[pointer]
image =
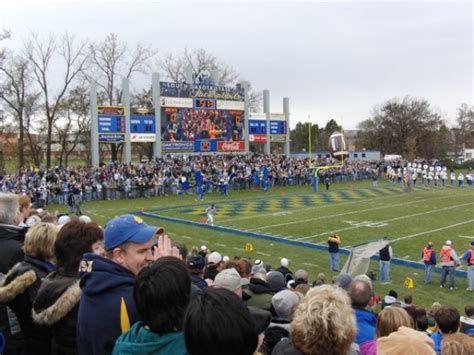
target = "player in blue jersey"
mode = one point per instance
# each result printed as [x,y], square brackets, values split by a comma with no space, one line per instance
[199,184]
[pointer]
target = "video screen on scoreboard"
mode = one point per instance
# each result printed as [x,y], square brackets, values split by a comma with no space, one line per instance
[191,124]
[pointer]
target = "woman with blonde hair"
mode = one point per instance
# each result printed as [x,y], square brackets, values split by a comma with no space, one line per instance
[20,285]
[390,319]
[323,323]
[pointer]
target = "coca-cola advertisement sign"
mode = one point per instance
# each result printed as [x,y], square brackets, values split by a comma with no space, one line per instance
[230,146]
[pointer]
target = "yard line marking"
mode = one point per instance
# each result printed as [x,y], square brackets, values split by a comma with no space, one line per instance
[309,264]
[262,253]
[433,230]
[390,220]
[466,236]
[235,248]
[348,213]
[186,237]
[220,244]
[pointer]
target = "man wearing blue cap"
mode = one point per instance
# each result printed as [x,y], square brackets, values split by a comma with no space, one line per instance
[469,257]
[107,308]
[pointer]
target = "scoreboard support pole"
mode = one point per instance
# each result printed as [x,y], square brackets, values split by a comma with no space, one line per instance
[245,86]
[286,113]
[94,126]
[155,89]
[127,145]
[266,111]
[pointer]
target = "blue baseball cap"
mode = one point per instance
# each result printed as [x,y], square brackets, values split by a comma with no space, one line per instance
[128,228]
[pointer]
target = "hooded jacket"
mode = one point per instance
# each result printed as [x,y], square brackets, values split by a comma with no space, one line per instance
[56,306]
[366,323]
[11,253]
[11,246]
[260,293]
[106,308]
[18,291]
[389,301]
[141,341]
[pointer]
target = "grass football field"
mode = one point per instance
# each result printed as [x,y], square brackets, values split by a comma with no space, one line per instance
[357,211]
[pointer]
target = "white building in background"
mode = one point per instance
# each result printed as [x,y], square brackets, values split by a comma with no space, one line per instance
[367,155]
[465,154]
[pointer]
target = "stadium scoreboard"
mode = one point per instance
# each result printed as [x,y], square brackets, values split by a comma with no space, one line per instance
[111,124]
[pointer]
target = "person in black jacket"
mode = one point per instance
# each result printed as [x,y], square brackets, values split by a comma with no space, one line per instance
[11,253]
[385,255]
[57,302]
[287,274]
[22,282]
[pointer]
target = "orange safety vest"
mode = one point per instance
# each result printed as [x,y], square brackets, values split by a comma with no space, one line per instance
[427,254]
[445,255]
[471,260]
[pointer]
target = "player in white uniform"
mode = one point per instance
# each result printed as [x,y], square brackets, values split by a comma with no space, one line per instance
[210,214]
[452,177]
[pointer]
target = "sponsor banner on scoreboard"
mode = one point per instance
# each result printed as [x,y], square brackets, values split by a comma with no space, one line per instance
[277,116]
[142,137]
[230,105]
[230,146]
[263,116]
[278,137]
[111,138]
[111,110]
[257,116]
[175,147]
[201,90]
[185,102]
[258,138]
[203,146]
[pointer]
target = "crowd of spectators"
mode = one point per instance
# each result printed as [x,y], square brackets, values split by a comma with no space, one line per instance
[69,286]
[173,175]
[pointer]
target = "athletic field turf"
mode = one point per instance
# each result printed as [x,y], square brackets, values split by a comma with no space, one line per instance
[272,222]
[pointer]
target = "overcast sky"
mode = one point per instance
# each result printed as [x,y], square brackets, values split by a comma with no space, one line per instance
[332,59]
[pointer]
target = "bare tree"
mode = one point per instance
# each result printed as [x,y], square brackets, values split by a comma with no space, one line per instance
[16,92]
[74,126]
[112,60]
[41,54]
[407,126]
[5,34]
[36,134]
[464,129]
[202,64]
